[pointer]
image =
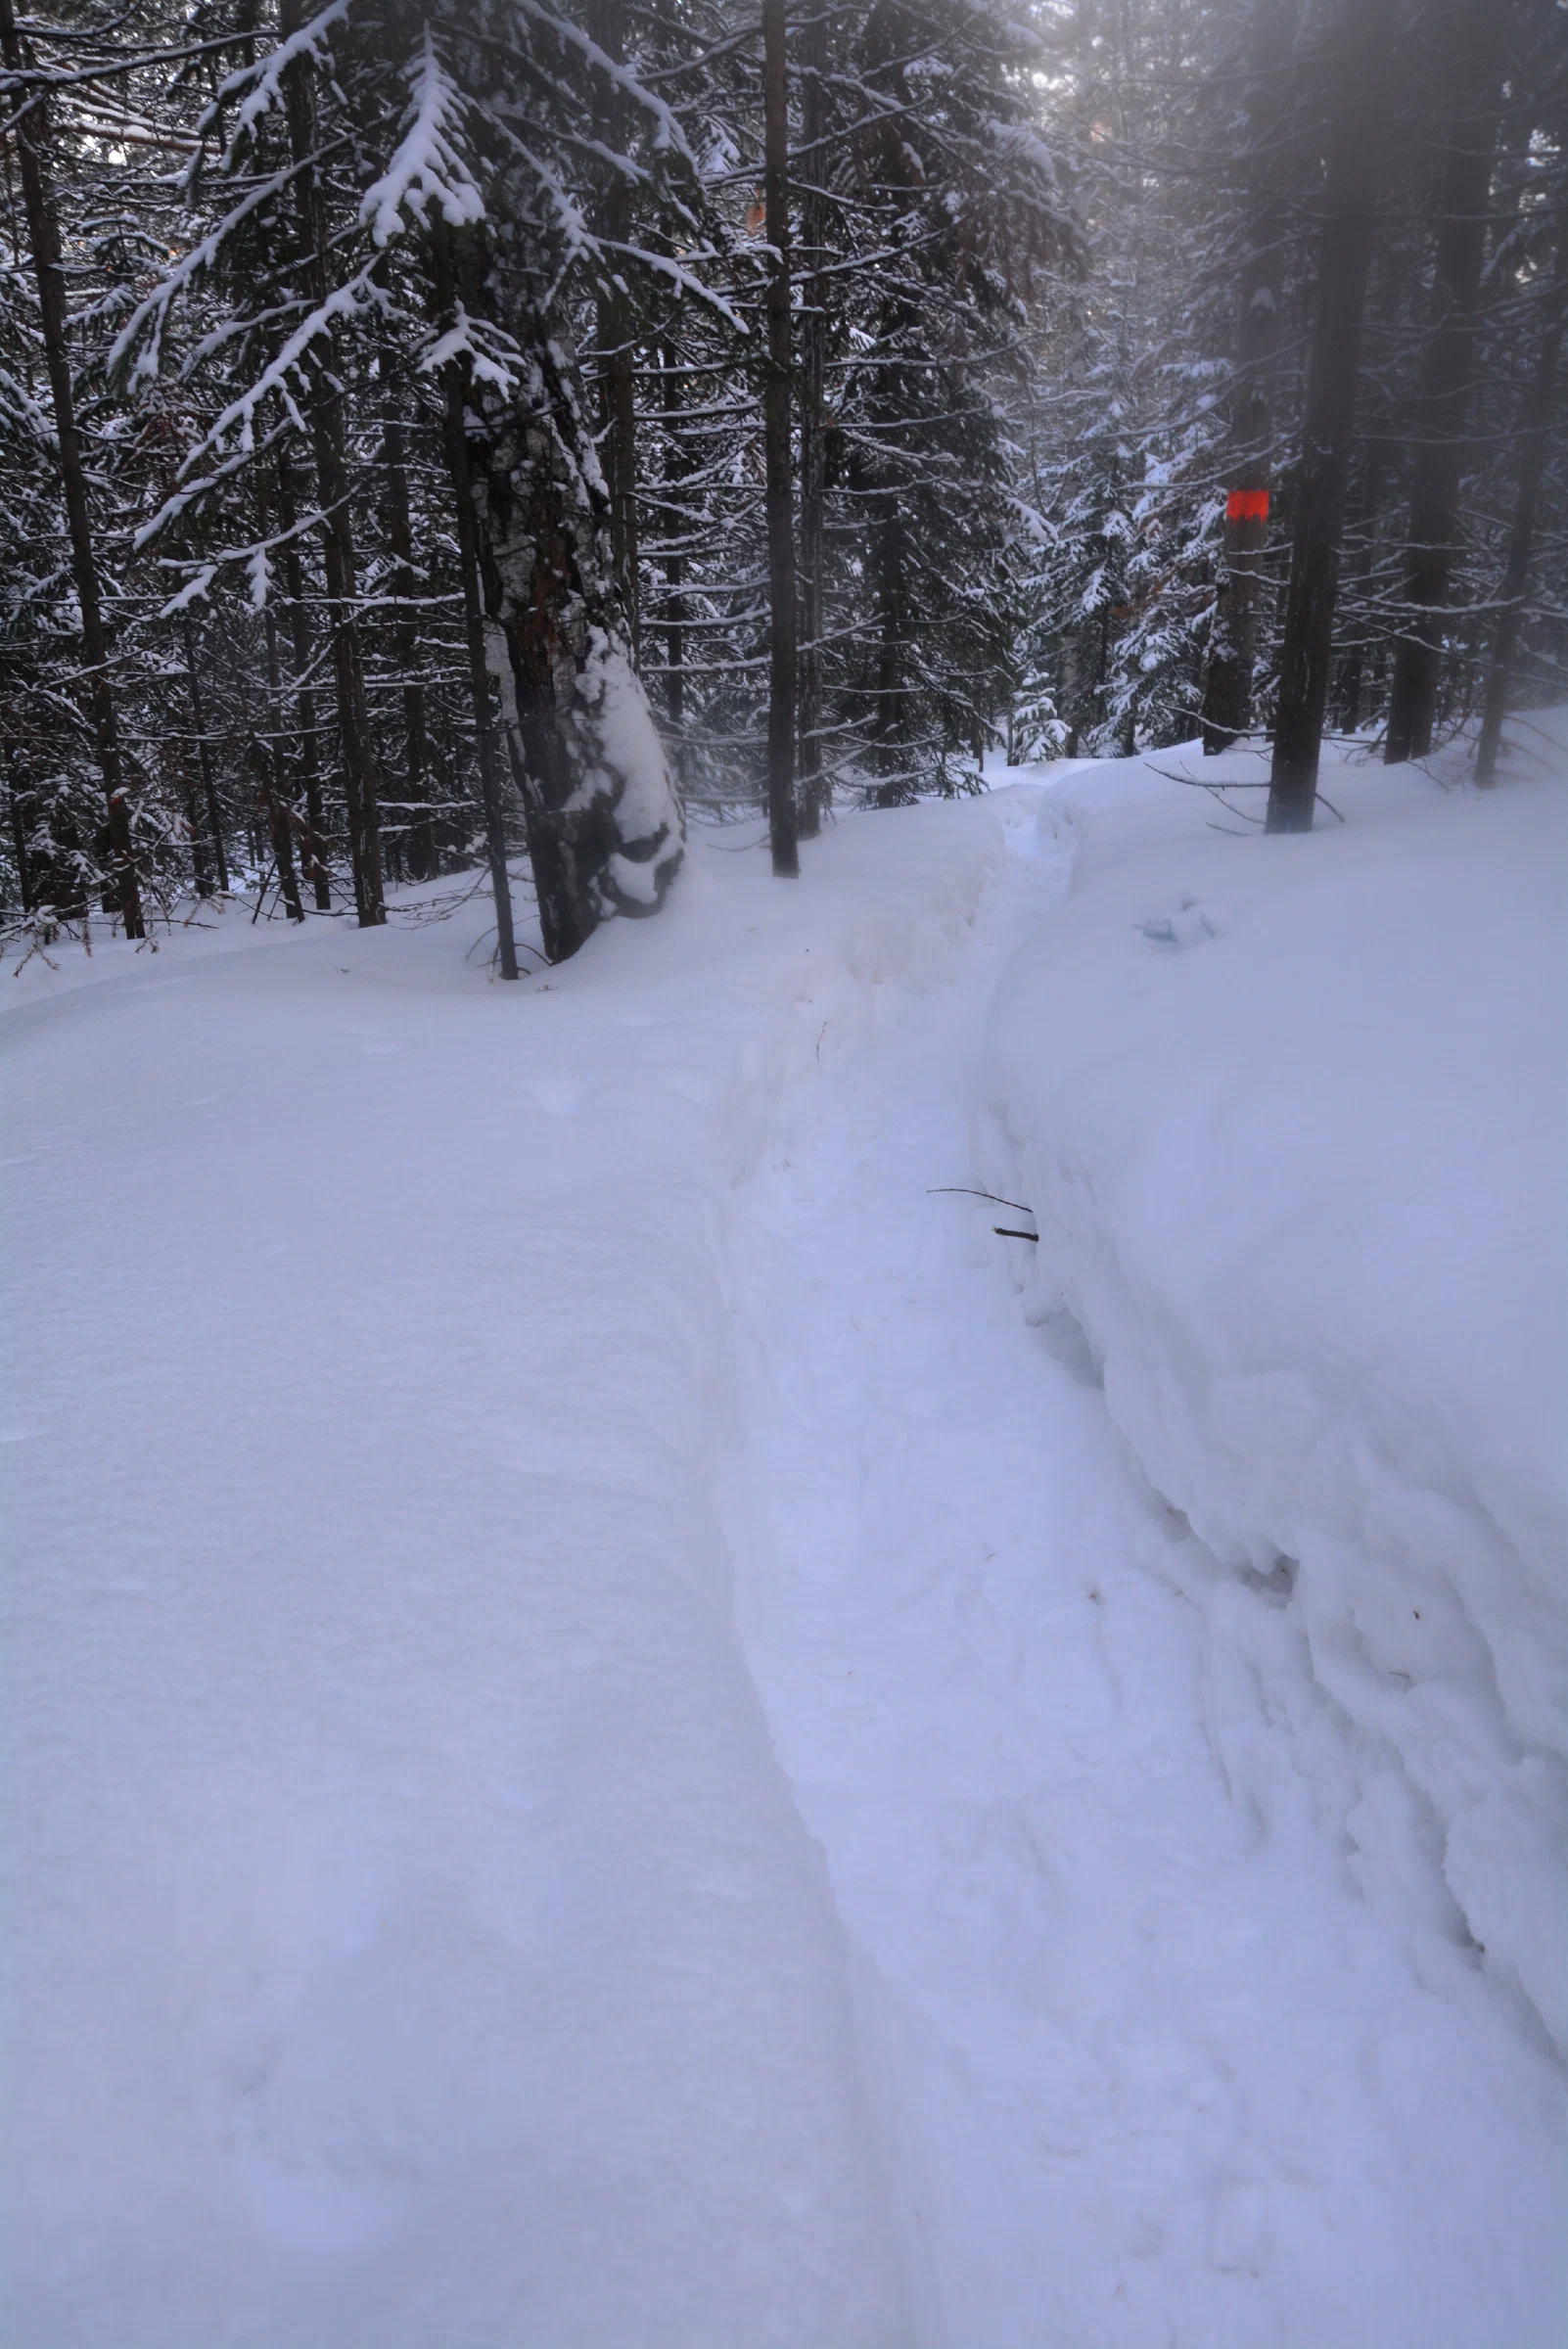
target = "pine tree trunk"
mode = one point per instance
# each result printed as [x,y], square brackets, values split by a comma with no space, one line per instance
[887,564]
[1446,370]
[403,584]
[617,445]
[304,699]
[43,233]
[328,445]
[676,468]
[604,826]
[813,355]
[204,750]
[1536,423]
[1350,196]
[1227,680]
[18,838]
[274,792]
[781,680]
[455,439]
[1352,688]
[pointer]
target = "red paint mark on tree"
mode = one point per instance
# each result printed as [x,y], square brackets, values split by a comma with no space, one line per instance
[1247,505]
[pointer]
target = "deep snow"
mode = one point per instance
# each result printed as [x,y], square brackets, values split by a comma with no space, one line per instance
[442,1411]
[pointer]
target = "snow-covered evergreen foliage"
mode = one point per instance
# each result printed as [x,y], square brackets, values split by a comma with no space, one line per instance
[295,234]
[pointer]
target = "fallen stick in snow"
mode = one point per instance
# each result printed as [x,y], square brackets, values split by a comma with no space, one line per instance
[964,1190]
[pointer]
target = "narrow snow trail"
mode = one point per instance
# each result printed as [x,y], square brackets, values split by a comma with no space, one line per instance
[1150,2071]
[437,1412]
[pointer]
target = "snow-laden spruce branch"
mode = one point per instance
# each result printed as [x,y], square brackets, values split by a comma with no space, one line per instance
[254,559]
[145,325]
[668,137]
[344,302]
[492,356]
[427,167]
[237,330]
[583,244]
[681,278]
[262,82]
[40,84]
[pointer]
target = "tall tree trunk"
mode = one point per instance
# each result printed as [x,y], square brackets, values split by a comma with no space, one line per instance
[676,467]
[619,444]
[781,680]
[1536,431]
[201,866]
[814,357]
[43,233]
[479,679]
[304,699]
[204,745]
[329,443]
[888,563]
[404,585]
[887,477]
[1249,454]
[1442,401]
[1363,526]
[1349,198]
[275,789]
[18,838]
[604,826]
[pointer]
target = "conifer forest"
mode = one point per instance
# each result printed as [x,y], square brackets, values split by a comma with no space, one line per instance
[432,434]
[783,1287]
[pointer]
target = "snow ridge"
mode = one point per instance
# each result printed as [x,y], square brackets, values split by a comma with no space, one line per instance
[1328,1308]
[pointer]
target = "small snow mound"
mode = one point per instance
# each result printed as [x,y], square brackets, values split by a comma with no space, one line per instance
[1189,925]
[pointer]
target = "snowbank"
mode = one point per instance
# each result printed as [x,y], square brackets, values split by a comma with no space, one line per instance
[1290,1113]
[413,1939]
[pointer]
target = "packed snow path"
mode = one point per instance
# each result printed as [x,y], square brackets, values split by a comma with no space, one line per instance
[444,1411]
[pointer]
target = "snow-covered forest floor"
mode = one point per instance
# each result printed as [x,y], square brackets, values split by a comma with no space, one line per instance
[623,1726]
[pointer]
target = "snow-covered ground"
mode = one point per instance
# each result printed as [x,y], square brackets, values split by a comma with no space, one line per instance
[622,1725]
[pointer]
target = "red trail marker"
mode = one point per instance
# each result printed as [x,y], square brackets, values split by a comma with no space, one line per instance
[1247,505]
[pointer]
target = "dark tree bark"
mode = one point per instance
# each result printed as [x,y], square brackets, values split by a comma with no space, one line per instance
[455,388]
[604,826]
[18,839]
[888,559]
[1536,431]
[886,480]
[329,444]
[676,467]
[1443,400]
[814,356]
[1349,197]
[404,583]
[781,496]
[44,234]
[1249,454]
[201,863]
[274,790]
[280,837]
[203,748]
[617,445]
[304,699]
[1351,691]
